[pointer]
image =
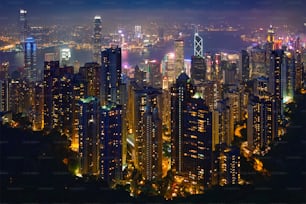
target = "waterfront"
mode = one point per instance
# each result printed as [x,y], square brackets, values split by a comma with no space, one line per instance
[213,42]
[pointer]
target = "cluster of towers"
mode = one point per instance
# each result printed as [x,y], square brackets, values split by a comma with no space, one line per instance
[116,121]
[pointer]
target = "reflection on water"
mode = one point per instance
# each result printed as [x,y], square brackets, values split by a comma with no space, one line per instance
[213,42]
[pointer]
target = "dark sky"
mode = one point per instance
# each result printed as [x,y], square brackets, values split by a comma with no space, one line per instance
[45,10]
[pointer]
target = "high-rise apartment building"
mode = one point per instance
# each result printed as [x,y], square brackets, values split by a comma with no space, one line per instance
[110,75]
[148,132]
[89,136]
[110,161]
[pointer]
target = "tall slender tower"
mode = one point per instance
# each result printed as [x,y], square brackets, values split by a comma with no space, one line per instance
[197,44]
[30,59]
[179,57]
[23,25]
[97,41]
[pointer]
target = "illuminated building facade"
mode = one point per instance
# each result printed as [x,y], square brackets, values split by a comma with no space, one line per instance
[110,162]
[50,68]
[23,25]
[181,92]
[4,95]
[79,91]
[259,121]
[226,165]
[197,142]
[38,107]
[197,44]
[148,135]
[4,73]
[178,57]
[298,70]
[276,83]
[65,55]
[89,135]
[91,73]
[198,69]
[244,66]
[222,128]
[30,59]
[19,96]
[110,75]
[168,70]
[97,39]
[154,74]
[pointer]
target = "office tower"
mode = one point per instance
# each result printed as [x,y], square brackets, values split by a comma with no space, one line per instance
[97,39]
[258,60]
[227,165]
[154,76]
[139,76]
[4,74]
[4,95]
[148,132]
[65,55]
[209,67]
[110,162]
[276,88]
[168,70]
[208,90]
[244,66]
[110,75]
[198,69]
[89,135]
[181,92]
[178,57]
[271,36]
[91,72]
[79,91]
[23,25]
[19,96]
[137,32]
[50,68]
[197,44]
[229,69]
[38,107]
[30,59]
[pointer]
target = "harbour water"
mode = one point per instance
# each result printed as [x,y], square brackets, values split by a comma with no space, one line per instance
[213,42]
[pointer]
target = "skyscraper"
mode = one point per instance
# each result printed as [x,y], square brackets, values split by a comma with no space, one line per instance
[181,92]
[110,162]
[89,135]
[276,88]
[23,25]
[197,44]
[97,39]
[30,59]
[179,57]
[110,75]
[148,121]
[198,69]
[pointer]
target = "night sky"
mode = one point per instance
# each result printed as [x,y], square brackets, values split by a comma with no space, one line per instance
[44,10]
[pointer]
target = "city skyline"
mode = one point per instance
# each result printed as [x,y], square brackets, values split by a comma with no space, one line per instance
[153,108]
